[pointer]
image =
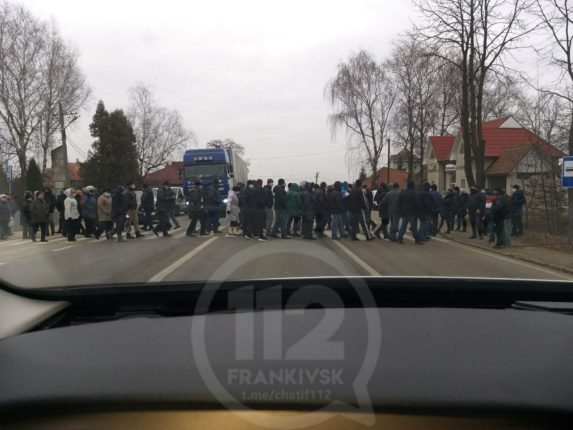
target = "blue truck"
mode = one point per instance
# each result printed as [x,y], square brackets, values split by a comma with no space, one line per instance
[207,165]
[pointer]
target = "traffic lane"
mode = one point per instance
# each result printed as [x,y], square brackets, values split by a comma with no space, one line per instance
[238,258]
[97,262]
[441,257]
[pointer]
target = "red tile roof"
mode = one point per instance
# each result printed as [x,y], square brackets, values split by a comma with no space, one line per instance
[442,146]
[495,123]
[171,172]
[513,155]
[399,176]
[498,140]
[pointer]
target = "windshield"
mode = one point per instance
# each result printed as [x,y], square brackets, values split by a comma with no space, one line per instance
[199,171]
[356,144]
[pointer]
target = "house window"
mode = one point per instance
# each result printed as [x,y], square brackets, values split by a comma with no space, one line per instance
[462,183]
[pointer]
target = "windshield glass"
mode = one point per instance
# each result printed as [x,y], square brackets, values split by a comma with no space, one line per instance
[356,143]
[205,171]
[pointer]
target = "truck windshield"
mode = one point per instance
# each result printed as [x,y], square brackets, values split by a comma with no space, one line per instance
[205,170]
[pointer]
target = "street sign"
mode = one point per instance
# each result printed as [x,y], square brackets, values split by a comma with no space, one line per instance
[567,177]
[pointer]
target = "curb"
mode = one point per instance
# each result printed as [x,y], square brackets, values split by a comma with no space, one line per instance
[516,257]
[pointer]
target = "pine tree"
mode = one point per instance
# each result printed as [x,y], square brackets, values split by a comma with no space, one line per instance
[34,180]
[112,159]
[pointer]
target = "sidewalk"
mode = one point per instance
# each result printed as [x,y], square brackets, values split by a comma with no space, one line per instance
[524,248]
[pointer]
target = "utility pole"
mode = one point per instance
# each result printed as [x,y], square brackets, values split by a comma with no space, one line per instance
[388,173]
[316,178]
[64,144]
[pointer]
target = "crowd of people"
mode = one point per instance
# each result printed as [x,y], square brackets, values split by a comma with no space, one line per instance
[258,211]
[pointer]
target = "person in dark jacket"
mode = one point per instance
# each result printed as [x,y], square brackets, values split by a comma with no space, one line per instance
[320,208]
[294,210]
[408,208]
[448,211]
[382,212]
[336,208]
[119,211]
[61,209]
[499,211]
[163,207]
[369,195]
[280,203]
[391,201]
[89,212]
[147,205]
[518,201]
[39,216]
[246,205]
[476,210]
[212,199]
[50,199]
[25,216]
[268,198]
[133,218]
[424,209]
[461,207]
[4,217]
[257,202]
[357,208]
[196,211]
[437,209]
[308,211]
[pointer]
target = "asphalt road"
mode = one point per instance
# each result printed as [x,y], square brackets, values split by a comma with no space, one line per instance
[153,259]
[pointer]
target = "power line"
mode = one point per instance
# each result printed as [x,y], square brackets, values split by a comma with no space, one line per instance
[280,157]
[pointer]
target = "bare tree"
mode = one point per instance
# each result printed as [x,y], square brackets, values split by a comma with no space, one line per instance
[362,100]
[556,17]
[474,36]
[227,143]
[159,132]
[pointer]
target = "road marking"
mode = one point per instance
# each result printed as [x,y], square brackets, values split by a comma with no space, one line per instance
[3,263]
[501,257]
[369,269]
[171,268]
[61,249]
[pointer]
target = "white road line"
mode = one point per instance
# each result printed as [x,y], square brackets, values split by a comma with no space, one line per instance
[502,257]
[369,269]
[3,263]
[61,249]
[171,268]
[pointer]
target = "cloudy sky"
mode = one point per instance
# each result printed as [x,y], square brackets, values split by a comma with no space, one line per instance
[251,70]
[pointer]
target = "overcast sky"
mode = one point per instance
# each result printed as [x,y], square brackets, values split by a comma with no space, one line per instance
[251,70]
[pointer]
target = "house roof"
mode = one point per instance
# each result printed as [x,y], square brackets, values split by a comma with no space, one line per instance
[399,176]
[513,155]
[442,146]
[171,172]
[403,154]
[496,123]
[74,172]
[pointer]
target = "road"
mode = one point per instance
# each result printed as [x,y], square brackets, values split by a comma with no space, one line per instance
[156,259]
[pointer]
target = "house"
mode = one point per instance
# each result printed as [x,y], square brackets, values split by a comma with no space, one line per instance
[512,155]
[172,172]
[74,177]
[399,161]
[396,176]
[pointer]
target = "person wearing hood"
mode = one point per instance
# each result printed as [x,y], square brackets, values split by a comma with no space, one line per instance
[358,205]
[4,217]
[281,210]
[437,209]
[424,209]
[518,201]
[119,211]
[50,199]
[132,217]
[269,200]
[212,200]
[320,208]
[294,210]
[382,212]
[39,216]
[89,212]
[196,211]
[449,211]
[409,209]
[336,208]
[164,204]
[258,204]
[308,199]
[391,201]
[461,204]
[233,211]
[476,210]
[25,216]
[71,214]
[104,213]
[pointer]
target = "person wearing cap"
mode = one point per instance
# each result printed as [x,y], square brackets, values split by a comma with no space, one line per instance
[89,212]
[25,216]
[119,211]
[164,203]
[196,211]
[4,217]
[71,214]
[132,218]
[39,216]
